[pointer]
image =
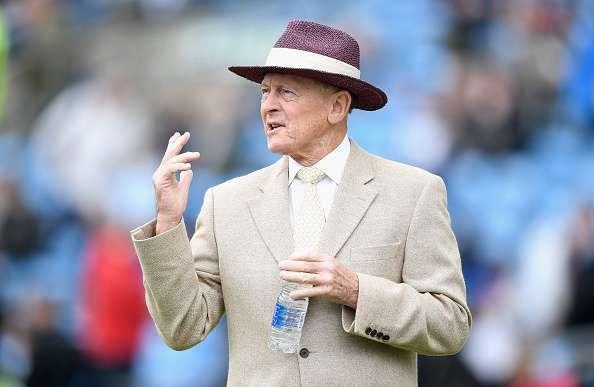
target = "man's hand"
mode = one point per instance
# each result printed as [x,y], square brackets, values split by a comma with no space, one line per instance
[331,279]
[172,195]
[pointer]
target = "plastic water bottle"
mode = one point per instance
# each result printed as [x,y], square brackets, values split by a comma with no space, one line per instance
[287,321]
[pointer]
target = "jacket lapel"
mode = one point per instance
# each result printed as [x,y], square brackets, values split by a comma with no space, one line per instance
[352,199]
[270,211]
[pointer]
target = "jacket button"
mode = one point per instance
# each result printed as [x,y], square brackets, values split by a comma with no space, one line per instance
[373,333]
[386,338]
[304,352]
[379,335]
[367,331]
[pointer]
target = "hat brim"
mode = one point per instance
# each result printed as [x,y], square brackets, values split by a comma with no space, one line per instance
[365,95]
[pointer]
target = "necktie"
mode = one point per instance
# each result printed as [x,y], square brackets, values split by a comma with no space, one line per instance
[309,219]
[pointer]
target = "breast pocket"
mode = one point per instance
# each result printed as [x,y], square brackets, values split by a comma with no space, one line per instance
[382,260]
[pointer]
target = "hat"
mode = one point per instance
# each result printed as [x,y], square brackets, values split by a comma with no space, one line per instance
[320,52]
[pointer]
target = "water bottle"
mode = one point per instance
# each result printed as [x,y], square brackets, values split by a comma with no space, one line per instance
[287,321]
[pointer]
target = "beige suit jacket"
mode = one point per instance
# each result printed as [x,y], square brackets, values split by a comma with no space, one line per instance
[389,223]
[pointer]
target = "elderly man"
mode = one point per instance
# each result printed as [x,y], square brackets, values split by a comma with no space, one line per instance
[383,261]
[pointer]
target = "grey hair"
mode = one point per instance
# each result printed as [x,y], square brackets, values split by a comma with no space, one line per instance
[331,89]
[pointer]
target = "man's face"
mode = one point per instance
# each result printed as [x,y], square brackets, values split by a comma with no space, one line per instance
[294,112]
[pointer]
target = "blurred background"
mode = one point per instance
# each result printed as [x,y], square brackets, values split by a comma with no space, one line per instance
[496,96]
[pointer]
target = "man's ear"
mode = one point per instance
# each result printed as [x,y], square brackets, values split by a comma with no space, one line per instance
[341,103]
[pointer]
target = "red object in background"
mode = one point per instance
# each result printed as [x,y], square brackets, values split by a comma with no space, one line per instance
[112,299]
[560,380]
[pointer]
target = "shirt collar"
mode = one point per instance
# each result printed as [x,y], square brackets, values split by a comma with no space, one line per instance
[332,164]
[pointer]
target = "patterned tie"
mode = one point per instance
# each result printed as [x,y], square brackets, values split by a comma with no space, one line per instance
[309,219]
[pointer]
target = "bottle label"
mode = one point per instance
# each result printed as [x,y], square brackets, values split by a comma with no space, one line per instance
[285,317]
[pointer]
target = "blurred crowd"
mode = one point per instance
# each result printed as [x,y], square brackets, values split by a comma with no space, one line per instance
[496,96]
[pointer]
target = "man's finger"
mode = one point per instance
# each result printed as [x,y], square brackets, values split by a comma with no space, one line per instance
[173,137]
[176,145]
[306,267]
[171,141]
[177,167]
[185,157]
[309,292]
[185,179]
[300,277]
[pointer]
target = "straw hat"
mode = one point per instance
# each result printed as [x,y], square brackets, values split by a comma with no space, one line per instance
[320,52]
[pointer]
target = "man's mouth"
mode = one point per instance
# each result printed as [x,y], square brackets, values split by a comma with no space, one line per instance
[272,128]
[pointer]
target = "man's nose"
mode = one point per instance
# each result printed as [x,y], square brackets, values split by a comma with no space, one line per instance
[269,103]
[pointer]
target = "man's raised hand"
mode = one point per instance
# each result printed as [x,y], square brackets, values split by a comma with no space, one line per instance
[171,194]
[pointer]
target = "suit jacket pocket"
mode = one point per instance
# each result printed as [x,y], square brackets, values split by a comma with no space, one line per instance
[382,260]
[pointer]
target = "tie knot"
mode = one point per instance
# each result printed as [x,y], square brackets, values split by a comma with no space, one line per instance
[311,175]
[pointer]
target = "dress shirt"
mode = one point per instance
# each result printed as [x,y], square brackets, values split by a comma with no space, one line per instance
[332,165]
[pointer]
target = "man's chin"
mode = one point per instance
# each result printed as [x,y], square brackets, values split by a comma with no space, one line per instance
[277,148]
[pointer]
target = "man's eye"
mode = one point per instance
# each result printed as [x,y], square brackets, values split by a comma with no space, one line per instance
[287,92]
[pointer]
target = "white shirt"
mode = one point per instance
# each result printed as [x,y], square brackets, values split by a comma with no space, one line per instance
[332,165]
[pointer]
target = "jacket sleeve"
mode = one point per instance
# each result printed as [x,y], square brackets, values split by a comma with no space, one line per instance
[181,278]
[427,312]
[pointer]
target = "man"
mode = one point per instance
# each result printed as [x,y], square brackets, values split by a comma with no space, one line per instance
[385,266]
